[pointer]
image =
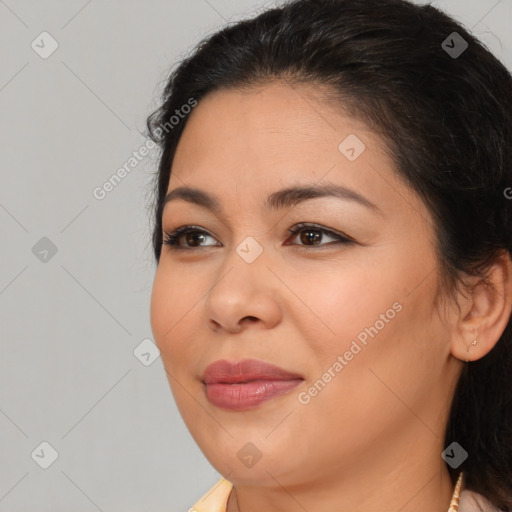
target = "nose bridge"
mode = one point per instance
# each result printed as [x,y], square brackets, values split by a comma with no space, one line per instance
[242,289]
[244,261]
[249,235]
[246,254]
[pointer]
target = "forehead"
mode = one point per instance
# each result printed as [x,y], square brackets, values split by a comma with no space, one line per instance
[260,113]
[266,128]
[242,145]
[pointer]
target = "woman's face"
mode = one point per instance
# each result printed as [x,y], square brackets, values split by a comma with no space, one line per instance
[357,321]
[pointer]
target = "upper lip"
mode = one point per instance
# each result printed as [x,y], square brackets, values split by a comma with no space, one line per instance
[244,371]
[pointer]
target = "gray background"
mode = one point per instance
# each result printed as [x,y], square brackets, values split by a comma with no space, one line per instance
[70,323]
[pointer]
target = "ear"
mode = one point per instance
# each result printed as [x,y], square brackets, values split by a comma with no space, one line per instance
[485,313]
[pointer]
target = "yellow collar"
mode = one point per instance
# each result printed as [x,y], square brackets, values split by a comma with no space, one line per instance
[215,499]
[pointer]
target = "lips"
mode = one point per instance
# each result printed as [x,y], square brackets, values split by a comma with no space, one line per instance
[246,370]
[246,384]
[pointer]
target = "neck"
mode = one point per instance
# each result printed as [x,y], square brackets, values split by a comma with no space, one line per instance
[405,486]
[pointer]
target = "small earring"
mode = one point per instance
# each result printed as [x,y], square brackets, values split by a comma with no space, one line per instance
[467,349]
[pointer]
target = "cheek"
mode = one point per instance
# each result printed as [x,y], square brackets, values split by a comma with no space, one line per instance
[364,315]
[367,383]
[172,310]
[343,300]
[173,299]
[161,306]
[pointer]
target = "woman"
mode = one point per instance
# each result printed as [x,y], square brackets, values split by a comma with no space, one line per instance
[333,236]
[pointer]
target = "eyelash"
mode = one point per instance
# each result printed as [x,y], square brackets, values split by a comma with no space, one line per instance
[172,239]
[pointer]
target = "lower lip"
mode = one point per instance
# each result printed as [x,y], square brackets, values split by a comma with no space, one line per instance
[248,394]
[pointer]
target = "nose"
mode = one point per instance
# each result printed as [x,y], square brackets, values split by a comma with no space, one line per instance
[245,295]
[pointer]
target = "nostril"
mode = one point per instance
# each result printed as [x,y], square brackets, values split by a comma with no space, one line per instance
[248,319]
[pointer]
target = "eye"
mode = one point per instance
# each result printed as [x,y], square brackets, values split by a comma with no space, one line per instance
[191,234]
[311,234]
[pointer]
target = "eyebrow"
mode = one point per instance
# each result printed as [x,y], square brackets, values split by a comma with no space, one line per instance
[280,199]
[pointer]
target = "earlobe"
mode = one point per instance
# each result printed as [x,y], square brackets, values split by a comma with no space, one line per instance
[487,312]
[474,342]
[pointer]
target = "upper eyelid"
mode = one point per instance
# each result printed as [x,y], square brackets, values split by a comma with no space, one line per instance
[297,228]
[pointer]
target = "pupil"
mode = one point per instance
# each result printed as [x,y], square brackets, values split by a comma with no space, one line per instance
[311,235]
[192,236]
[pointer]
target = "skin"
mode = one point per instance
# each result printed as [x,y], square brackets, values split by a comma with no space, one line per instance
[372,438]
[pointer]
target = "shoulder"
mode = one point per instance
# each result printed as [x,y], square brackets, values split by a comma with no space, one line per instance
[215,499]
[471,501]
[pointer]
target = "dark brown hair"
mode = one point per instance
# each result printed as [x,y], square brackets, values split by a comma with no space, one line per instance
[446,120]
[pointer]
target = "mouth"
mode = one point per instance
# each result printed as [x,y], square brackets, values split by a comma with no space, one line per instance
[247,395]
[246,384]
